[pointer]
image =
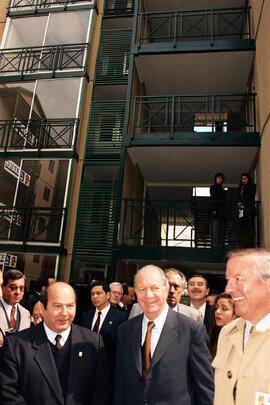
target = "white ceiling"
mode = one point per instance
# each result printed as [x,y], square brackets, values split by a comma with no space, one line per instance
[171,172]
[195,73]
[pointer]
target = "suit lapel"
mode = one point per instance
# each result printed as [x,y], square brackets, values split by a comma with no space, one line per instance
[136,338]
[167,337]
[77,348]
[44,359]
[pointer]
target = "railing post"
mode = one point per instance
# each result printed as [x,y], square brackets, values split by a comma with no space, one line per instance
[134,99]
[167,222]
[124,221]
[254,112]
[248,21]
[212,27]
[172,117]
[175,28]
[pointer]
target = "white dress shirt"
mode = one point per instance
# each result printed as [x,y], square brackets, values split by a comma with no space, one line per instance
[103,315]
[201,310]
[157,329]
[51,335]
[261,326]
[8,308]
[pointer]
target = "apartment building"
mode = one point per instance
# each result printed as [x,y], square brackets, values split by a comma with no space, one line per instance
[115,116]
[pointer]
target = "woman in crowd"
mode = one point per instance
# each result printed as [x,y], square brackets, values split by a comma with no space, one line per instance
[224,313]
[246,212]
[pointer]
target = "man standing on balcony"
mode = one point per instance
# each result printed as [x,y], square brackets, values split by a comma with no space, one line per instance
[217,196]
[13,317]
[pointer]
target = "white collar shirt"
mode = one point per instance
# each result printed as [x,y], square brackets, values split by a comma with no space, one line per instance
[8,308]
[261,326]
[51,335]
[157,329]
[103,315]
[201,310]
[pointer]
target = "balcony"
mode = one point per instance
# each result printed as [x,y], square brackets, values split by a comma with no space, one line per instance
[43,62]
[194,30]
[28,7]
[38,138]
[214,119]
[177,229]
[30,228]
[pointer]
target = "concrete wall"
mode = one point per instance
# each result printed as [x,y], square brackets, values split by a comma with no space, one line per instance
[261,79]
[3,12]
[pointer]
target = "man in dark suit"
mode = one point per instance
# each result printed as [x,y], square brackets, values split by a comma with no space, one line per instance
[55,362]
[162,355]
[198,291]
[104,318]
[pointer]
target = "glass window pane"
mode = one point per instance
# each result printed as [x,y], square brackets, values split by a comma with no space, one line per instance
[67,28]
[26,32]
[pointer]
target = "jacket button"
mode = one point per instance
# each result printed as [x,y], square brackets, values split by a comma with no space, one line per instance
[229,374]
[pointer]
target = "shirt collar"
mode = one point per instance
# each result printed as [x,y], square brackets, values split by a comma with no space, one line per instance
[51,334]
[160,320]
[103,311]
[261,326]
[7,306]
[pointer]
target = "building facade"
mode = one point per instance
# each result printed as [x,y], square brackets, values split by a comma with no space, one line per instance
[115,115]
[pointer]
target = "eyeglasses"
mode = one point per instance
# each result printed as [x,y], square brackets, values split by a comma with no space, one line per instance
[16,287]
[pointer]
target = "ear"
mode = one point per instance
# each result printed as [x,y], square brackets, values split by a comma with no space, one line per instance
[108,295]
[207,292]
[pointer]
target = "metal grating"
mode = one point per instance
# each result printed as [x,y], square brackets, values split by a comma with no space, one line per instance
[119,7]
[105,132]
[113,58]
[95,222]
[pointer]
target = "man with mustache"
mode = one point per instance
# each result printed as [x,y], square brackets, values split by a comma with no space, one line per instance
[242,371]
[198,291]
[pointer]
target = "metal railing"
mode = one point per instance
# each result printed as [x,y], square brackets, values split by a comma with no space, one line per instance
[182,223]
[34,6]
[203,24]
[189,113]
[38,134]
[43,59]
[31,224]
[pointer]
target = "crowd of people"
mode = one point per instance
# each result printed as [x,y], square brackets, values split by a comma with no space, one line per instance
[140,345]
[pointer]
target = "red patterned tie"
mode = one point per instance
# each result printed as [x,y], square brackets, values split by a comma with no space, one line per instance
[96,326]
[58,344]
[12,318]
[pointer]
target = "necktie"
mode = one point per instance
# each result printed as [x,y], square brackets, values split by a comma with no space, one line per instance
[146,350]
[253,327]
[57,340]
[12,318]
[96,326]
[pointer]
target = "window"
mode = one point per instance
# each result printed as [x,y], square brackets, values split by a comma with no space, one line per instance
[46,193]
[36,258]
[51,166]
[41,224]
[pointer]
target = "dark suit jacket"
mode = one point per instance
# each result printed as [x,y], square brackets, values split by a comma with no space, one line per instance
[108,330]
[208,316]
[28,373]
[180,371]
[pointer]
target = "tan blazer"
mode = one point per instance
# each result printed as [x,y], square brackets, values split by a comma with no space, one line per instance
[24,319]
[250,368]
[181,308]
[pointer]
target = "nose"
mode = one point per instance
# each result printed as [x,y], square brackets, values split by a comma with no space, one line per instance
[218,311]
[149,292]
[229,286]
[64,310]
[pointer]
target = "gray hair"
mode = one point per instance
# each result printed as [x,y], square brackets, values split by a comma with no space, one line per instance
[161,272]
[116,284]
[261,259]
[179,273]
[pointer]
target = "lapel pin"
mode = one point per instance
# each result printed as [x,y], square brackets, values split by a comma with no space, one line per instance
[110,322]
[80,354]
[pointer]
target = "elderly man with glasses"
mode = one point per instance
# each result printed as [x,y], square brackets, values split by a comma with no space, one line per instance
[13,317]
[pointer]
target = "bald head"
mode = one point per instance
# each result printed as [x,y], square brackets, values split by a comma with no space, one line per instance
[59,306]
